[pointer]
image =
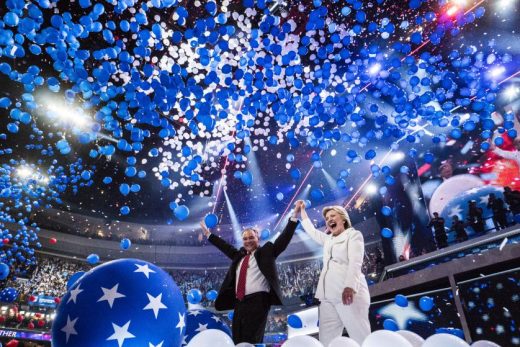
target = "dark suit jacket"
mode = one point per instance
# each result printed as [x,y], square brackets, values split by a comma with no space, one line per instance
[265,257]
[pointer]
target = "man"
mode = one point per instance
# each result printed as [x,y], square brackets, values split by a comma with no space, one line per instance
[439,232]
[496,205]
[251,285]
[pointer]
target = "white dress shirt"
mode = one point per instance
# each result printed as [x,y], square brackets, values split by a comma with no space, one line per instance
[255,280]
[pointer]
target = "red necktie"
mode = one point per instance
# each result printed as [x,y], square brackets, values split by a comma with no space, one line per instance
[241,287]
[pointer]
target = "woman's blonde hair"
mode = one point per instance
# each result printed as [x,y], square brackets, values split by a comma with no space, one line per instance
[341,211]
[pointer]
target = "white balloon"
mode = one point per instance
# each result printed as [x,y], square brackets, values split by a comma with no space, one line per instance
[245,344]
[302,341]
[414,339]
[385,338]
[211,337]
[343,341]
[444,340]
[484,343]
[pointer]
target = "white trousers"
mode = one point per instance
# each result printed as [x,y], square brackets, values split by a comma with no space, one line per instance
[335,316]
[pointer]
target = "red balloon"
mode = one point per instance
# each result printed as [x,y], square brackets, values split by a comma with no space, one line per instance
[41,323]
[37,315]
[12,343]
[32,298]
[53,241]
[2,319]
[5,241]
[30,325]
[19,318]
[57,300]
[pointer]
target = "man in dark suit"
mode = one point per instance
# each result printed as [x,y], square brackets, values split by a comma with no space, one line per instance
[251,284]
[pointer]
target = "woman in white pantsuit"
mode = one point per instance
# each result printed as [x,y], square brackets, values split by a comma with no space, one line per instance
[342,288]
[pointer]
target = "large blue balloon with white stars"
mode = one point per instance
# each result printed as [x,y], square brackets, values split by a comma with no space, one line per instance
[200,320]
[122,303]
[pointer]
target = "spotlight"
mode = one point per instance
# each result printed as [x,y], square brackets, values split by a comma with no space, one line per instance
[333,153]
[497,71]
[512,92]
[452,11]
[26,173]
[374,69]
[371,189]
[505,4]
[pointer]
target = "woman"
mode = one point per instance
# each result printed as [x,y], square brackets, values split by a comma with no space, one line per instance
[342,288]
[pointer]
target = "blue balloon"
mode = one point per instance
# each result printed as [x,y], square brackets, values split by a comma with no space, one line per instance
[426,303]
[197,318]
[212,295]
[4,271]
[386,210]
[123,295]
[247,178]
[124,210]
[294,321]
[8,295]
[181,212]
[387,233]
[317,194]
[264,235]
[194,296]
[125,244]
[390,324]
[74,278]
[230,315]
[401,300]
[93,259]
[211,220]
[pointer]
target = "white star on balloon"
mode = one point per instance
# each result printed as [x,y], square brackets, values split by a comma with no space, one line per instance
[121,333]
[401,315]
[201,327]
[217,319]
[484,199]
[184,342]
[181,323]
[152,345]
[144,269]
[110,295]
[455,211]
[74,294]
[68,329]
[194,313]
[155,304]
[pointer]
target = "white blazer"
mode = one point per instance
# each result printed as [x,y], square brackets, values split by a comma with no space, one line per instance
[342,260]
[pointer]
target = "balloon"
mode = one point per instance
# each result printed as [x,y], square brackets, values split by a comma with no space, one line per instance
[484,343]
[264,235]
[181,212]
[294,321]
[401,300]
[53,241]
[74,278]
[302,341]
[426,303]
[211,337]
[8,295]
[387,233]
[385,338]
[4,271]
[125,244]
[194,296]
[386,210]
[197,318]
[444,340]
[230,315]
[93,259]
[119,299]
[211,220]
[343,341]
[212,295]
[414,339]
[390,324]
